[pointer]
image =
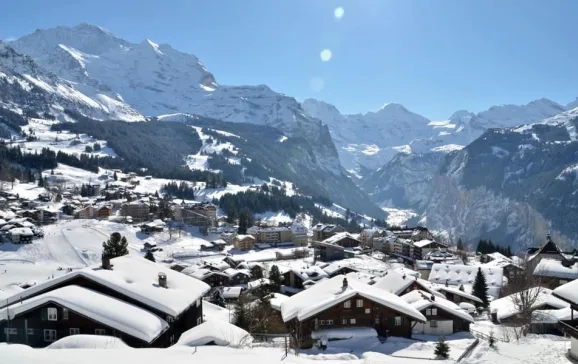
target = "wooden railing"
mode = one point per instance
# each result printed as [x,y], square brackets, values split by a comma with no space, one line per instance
[570,330]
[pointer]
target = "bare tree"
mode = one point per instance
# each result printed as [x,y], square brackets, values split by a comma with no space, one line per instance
[527,296]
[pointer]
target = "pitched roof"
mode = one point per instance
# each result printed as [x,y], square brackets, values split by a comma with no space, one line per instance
[457,274]
[339,236]
[567,292]
[555,268]
[330,292]
[459,293]
[107,310]
[396,283]
[504,307]
[136,278]
[421,300]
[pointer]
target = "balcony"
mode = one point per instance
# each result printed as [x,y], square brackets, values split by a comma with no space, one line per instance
[570,330]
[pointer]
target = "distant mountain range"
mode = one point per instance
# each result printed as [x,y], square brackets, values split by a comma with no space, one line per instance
[508,173]
[367,141]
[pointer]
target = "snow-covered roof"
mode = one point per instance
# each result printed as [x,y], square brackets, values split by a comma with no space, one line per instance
[231,272]
[553,316]
[312,273]
[258,283]
[423,243]
[330,292]
[21,231]
[421,300]
[243,237]
[504,307]
[396,283]
[213,312]
[107,310]
[219,332]
[568,292]
[555,268]
[456,291]
[136,278]
[231,292]
[335,238]
[457,274]
[276,299]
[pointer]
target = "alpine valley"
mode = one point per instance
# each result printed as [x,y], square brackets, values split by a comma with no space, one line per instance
[508,173]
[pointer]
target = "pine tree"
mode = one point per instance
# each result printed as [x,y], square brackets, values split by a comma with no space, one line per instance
[217,299]
[149,255]
[442,349]
[40,181]
[275,278]
[115,246]
[115,176]
[460,245]
[480,287]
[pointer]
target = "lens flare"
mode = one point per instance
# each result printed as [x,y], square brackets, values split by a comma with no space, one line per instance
[338,12]
[326,55]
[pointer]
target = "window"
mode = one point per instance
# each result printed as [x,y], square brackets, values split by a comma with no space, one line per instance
[321,322]
[397,321]
[329,322]
[65,313]
[50,335]
[344,321]
[52,314]
[428,312]
[433,323]
[359,303]
[367,310]
[347,304]
[434,311]
[376,320]
[172,339]
[563,281]
[11,331]
[352,321]
[74,331]
[30,332]
[99,331]
[199,320]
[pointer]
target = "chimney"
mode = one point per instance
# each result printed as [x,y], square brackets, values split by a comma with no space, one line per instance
[447,282]
[433,297]
[106,262]
[163,280]
[345,284]
[403,276]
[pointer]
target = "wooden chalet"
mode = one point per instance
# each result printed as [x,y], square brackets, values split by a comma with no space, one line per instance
[339,303]
[170,295]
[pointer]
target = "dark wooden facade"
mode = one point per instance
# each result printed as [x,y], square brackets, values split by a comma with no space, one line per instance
[347,242]
[256,272]
[216,279]
[384,320]
[187,319]
[30,328]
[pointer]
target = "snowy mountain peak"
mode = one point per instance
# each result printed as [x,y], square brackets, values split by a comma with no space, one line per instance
[572,105]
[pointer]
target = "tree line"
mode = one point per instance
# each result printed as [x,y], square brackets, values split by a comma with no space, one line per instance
[488,247]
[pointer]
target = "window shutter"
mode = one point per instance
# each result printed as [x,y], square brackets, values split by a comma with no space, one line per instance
[44,314]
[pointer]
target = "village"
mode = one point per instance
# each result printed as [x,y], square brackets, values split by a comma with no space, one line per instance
[176,270]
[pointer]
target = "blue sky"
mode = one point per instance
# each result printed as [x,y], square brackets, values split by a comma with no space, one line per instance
[435,57]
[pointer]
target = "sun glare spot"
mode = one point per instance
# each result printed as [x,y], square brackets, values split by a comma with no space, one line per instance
[338,12]
[326,55]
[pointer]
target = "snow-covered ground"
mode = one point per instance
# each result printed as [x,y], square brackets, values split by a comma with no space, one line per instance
[398,217]
[65,141]
[539,349]
[78,243]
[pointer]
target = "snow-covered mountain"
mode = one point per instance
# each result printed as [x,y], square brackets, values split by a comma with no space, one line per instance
[368,141]
[24,85]
[156,79]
